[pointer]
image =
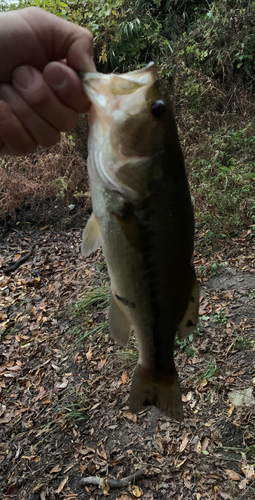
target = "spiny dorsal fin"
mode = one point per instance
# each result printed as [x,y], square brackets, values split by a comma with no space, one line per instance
[91,237]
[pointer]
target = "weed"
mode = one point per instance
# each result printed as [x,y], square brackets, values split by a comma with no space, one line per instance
[94,298]
[215,268]
[73,414]
[209,371]
[243,344]
[184,345]
[220,317]
[102,327]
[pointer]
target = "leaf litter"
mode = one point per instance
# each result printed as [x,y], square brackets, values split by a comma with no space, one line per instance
[64,401]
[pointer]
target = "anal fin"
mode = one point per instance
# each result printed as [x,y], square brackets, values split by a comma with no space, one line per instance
[120,327]
[190,318]
[91,237]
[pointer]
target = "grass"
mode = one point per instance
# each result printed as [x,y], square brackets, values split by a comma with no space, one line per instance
[210,371]
[242,344]
[95,299]
[95,330]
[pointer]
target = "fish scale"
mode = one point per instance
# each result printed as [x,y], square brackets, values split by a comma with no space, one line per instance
[143,218]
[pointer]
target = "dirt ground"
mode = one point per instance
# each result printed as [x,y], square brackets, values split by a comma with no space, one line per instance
[64,383]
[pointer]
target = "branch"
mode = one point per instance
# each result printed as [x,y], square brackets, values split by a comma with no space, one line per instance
[113,483]
[19,262]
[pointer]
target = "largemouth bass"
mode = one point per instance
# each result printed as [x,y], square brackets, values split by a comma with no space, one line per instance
[143,218]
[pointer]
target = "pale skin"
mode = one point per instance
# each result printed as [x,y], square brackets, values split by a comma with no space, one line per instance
[40,92]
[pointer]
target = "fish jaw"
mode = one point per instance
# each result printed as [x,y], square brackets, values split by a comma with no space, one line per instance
[117,99]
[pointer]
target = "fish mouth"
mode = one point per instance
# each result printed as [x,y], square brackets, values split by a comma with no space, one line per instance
[115,95]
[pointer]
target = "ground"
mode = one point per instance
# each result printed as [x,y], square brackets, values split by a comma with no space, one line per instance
[64,384]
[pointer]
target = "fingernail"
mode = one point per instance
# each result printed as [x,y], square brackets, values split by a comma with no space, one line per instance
[55,77]
[23,76]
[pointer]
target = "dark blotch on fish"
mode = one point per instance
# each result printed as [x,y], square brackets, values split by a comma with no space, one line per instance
[125,301]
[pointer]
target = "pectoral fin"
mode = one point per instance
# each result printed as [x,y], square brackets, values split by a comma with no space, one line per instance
[120,327]
[190,318]
[91,237]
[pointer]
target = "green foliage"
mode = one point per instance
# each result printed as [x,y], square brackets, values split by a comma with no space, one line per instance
[224,176]
[93,299]
[210,370]
[184,345]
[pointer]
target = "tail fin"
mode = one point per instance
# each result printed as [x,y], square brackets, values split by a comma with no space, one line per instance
[164,394]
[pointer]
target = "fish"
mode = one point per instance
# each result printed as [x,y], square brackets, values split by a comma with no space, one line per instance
[143,219]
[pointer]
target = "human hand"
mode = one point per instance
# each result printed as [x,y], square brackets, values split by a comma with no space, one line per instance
[40,92]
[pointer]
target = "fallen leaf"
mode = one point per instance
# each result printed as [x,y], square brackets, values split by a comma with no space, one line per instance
[12,488]
[198,448]
[136,491]
[130,416]
[62,385]
[248,471]
[202,382]
[62,484]
[205,444]
[233,475]
[57,468]
[89,354]
[124,377]
[105,486]
[224,495]
[184,443]
[242,484]
[231,409]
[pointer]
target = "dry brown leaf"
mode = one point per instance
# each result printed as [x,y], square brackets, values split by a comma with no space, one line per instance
[12,488]
[89,354]
[130,416]
[68,467]
[124,497]
[57,468]
[63,384]
[231,409]
[233,475]
[105,486]
[184,443]
[202,382]
[62,484]
[242,484]
[198,448]
[224,495]
[248,471]
[136,491]
[124,377]
[181,463]
[205,444]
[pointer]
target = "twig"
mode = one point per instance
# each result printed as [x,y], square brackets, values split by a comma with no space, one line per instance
[19,262]
[113,483]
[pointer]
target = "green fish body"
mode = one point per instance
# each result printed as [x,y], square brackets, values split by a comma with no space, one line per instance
[143,218]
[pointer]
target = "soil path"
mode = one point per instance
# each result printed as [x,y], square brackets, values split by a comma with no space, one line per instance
[64,384]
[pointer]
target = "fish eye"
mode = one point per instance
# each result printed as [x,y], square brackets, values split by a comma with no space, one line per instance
[158,109]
